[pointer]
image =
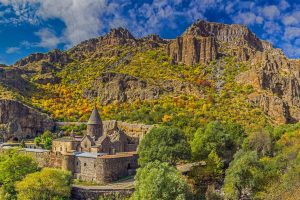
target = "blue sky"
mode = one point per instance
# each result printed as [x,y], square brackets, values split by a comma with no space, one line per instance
[29,26]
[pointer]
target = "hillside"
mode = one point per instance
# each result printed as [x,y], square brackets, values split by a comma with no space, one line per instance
[212,71]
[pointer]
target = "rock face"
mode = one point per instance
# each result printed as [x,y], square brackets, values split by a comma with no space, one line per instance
[102,45]
[271,71]
[55,56]
[11,77]
[191,50]
[18,121]
[204,41]
[112,87]
[273,106]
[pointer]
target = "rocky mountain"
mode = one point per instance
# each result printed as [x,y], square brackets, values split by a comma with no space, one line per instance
[209,64]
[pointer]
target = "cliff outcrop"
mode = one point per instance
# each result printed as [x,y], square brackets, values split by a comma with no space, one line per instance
[18,121]
[276,75]
[205,41]
[56,56]
[111,87]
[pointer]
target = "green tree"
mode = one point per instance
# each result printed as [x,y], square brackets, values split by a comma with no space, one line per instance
[14,166]
[48,184]
[211,172]
[260,142]
[165,144]
[37,141]
[48,143]
[244,176]
[225,139]
[159,181]
[206,176]
[46,134]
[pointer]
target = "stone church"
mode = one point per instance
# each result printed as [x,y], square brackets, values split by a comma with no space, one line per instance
[95,140]
[105,153]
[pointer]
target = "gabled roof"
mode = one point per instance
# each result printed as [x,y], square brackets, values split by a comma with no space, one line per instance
[102,139]
[95,117]
[89,138]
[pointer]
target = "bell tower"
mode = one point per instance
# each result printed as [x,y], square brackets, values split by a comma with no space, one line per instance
[94,125]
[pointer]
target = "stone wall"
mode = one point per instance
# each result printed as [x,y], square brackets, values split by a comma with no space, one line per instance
[64,146]
[133,131]
[85,168]
[81,193]
[47,158]
[113,167]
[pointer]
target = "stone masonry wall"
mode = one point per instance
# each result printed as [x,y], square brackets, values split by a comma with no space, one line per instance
[134,132]
[85,168]
[79,193]
[47,158]
[111,167]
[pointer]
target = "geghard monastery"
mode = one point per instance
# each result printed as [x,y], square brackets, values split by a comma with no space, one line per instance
[105,153]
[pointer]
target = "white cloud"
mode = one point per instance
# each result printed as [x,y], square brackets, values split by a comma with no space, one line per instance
[271,27]
[247,18]
[291,18]
[48,39]
[11,50]
[83,18]
[292,33]
[283,5]
[271,12]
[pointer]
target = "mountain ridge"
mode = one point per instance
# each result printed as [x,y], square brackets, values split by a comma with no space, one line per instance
[206,59]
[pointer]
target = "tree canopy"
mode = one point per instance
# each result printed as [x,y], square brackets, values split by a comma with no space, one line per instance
[14,166]
[159,181]
[242,176]
[165,144]
[47,184]
[225,139]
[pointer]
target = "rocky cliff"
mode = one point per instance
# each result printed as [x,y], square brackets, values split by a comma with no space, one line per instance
[275,77]
[205,41]
[114,87]
[55,56]
[18,121]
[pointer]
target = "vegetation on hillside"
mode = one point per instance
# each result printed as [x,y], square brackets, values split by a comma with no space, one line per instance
[222,98]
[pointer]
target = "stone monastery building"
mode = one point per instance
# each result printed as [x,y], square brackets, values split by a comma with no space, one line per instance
[105,153]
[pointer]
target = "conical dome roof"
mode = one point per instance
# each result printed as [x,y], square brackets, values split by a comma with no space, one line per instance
[95,117]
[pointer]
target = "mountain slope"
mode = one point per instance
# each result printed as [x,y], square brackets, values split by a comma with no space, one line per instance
[212,71]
